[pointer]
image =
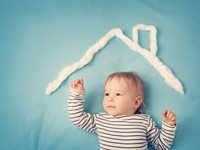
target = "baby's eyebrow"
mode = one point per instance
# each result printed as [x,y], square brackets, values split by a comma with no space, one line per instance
[117,91]
[122,92]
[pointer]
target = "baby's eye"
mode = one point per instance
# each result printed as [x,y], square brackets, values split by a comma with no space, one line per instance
[119,94]
[106,94]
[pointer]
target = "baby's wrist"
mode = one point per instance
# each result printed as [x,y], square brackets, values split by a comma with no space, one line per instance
[77,90]
[169,124]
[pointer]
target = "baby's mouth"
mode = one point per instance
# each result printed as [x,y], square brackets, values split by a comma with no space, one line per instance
[111,106]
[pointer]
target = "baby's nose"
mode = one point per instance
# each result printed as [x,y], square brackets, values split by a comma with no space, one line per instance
[111,99]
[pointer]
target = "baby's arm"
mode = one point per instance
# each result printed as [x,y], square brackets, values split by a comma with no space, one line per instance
[77,115]
[162,138]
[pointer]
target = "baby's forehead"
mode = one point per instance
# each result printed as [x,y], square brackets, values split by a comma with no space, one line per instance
[126,81]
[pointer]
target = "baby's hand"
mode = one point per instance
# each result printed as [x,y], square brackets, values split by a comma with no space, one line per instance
[169,117]
[78,85]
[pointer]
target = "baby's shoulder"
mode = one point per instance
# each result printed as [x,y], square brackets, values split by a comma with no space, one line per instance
[143,115]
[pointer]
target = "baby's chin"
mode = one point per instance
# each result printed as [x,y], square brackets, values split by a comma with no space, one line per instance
[112,113]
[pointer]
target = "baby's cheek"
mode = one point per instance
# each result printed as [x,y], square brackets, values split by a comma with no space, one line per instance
[104,103]
[122,105]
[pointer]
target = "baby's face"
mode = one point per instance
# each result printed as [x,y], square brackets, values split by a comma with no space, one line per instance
[119,97]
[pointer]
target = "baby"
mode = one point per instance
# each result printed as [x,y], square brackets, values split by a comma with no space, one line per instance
[121,126]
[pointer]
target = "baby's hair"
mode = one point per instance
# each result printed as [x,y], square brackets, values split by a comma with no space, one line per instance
[132,79]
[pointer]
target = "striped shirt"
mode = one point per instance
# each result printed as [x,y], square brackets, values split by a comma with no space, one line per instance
[120,132]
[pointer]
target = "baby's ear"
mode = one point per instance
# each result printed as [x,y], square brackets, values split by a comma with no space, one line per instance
[137,102]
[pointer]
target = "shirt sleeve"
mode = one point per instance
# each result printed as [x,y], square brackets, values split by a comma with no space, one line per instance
[160,139]
[77,115]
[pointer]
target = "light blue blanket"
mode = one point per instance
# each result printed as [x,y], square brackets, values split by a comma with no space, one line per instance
[39,38]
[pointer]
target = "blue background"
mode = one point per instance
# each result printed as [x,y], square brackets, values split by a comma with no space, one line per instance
[38,38]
